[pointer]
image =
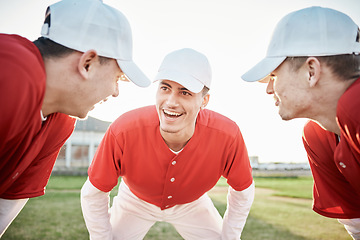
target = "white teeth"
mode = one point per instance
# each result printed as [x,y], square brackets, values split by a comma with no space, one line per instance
[171,113]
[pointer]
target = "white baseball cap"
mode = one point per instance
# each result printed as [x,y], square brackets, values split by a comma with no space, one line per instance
[313,31]
[90,24]
[187,67]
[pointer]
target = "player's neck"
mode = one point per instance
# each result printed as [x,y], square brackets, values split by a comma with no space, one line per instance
[60,91]
[176,141]
[176,147]
[55,99]
[326,105]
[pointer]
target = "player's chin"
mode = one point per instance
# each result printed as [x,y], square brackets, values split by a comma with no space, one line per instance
[168,127]
[169,130]
[83,115]
[285,115]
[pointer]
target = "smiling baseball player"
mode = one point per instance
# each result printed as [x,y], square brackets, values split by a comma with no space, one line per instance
[312,68]
[84,49]
[169,156]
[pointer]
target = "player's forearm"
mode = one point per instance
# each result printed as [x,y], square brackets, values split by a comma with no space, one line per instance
[95,208]
[238,208]
[9,209]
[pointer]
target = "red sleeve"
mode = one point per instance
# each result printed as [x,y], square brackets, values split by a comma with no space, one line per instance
[34,177]
[105,170]
[22,85]
[333,195]
[348,151]
[348,117]
[238,170]
[320,146]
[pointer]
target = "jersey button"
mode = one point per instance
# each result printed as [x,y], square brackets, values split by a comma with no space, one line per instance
[169,197]
[172,179]
[342,164]
[173,162]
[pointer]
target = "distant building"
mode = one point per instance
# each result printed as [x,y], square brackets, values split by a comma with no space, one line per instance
[254,161]
[79,149]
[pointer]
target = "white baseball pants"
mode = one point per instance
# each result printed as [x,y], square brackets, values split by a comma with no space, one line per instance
[131,218]
[352,226]
[9,209]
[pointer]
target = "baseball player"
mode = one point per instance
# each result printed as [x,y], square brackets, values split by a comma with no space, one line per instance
[168,156]
[85,48]
[312,68]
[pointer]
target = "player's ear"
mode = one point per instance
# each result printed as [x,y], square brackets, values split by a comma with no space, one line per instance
[314,70]
[86,62]
[205,102]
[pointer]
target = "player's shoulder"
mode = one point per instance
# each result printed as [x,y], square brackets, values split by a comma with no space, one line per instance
[61,126]
[349,102]
[13,45]
[21,60]
[216,121]
[136,118]
[311,126]
[313,132]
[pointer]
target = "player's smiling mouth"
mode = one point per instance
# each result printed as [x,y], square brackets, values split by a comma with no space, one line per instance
[171,114]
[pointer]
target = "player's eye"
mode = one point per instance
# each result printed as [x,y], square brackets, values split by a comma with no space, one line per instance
[185,93]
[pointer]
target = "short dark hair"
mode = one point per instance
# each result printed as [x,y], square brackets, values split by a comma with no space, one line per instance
[345,66]
[205,90]
[51,49]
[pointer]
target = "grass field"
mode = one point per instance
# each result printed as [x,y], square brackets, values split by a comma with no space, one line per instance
[281,211]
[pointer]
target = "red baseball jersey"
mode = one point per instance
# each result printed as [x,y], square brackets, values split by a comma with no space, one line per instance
[335,162]
[28,146]
[134,149]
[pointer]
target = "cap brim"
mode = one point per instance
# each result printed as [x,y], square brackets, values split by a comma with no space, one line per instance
[262,69]
[186,80]
[133,73]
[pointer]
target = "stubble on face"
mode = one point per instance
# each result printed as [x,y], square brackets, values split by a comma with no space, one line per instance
[293,94]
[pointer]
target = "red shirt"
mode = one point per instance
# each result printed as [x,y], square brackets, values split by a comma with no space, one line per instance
[28,147]
[335,164]
[134,149]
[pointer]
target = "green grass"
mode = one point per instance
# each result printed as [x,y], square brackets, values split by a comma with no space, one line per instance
[281,211]
[296,187]
[66,182]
